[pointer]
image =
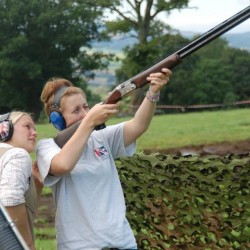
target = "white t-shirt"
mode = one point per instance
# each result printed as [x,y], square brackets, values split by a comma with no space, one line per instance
[15,173]
[91,212]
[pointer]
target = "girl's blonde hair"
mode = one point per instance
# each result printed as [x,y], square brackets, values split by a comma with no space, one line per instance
[16,115]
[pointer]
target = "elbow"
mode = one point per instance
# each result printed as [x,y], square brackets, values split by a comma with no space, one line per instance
[60,166]
[60,169]
[142,129]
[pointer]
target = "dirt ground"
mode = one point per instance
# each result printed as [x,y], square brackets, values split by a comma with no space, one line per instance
[220,149]
[46,211]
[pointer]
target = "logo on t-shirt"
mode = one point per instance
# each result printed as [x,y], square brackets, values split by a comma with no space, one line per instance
[101,152]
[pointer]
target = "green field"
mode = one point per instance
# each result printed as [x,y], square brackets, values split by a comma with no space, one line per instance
[176,130]
[197,128]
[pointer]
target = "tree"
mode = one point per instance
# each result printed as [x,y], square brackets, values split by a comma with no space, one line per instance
[212,83]
[40,39]
[240,60]
[141,19]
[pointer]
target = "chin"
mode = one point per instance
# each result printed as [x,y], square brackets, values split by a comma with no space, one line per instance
[30,149]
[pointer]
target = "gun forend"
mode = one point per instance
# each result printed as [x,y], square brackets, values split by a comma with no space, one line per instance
[140,80]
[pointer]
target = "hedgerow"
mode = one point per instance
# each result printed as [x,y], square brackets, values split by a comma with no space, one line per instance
[188,202]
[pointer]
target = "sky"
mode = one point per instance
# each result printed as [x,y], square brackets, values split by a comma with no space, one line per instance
[208,14]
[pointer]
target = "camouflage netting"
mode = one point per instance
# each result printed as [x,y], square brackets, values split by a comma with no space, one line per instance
[192,202]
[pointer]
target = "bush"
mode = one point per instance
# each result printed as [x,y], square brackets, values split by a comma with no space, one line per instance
[188,202]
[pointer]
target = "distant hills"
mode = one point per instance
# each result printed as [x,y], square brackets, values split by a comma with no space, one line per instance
[118,43]
[235,40]
[241,41]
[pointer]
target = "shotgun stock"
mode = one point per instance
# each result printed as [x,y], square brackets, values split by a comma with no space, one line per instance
[138,81]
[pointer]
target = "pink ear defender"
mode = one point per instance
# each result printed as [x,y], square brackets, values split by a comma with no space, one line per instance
[6,128]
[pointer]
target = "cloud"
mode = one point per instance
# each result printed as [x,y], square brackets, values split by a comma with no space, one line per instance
[208,14]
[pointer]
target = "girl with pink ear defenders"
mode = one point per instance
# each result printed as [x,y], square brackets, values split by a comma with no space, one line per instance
[20,181]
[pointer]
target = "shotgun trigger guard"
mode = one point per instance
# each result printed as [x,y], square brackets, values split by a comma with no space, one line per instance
[125,88]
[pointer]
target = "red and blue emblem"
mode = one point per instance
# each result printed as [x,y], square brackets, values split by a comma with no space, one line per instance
[101,152]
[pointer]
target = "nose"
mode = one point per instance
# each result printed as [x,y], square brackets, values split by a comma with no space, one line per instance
[34,132]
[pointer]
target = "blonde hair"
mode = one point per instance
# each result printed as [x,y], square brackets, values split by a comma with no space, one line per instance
[52,86]
[16,115]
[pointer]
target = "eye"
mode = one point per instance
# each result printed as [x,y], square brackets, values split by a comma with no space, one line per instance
[76,111]
[86,107]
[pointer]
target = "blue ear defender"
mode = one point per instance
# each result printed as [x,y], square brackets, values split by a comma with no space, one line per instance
[6,128]
[57,120]
[56,117]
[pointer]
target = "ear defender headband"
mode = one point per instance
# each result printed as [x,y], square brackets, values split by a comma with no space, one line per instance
[6,128]
[56,117]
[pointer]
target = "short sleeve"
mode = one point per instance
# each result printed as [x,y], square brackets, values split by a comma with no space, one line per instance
[16,168]
[46,151]
[115,138]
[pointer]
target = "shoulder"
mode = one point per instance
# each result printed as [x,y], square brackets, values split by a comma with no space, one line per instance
[17,160]
[19,151]
[16,153]
[47,147]
[46,143]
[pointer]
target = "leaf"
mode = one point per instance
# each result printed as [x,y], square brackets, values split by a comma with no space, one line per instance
[211,236]
[171,227]
[236,233]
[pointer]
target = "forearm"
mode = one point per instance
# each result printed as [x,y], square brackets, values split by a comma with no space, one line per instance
[144,115]
[19,215]
[39,188]
[140,123]
[71,152]
[38,180]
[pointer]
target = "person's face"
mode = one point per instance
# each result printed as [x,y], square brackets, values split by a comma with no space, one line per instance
[74,108]
[25,134]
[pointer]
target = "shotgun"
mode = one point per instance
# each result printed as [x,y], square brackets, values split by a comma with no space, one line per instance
[138,81]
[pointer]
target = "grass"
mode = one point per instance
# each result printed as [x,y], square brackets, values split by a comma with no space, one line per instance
[177,130]
[167,131]
[45,239]
[44,244]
